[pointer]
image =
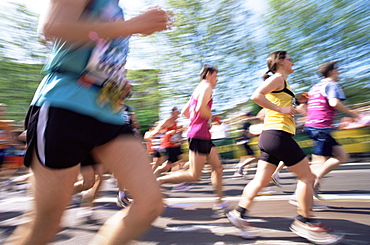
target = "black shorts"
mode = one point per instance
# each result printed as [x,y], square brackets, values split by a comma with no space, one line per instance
[156,154]
[200,146]
[276,146]
[248,149]
[89,161]
[173,153]
[62,138]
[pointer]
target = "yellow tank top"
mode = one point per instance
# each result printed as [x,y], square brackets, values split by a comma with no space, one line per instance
[278,121]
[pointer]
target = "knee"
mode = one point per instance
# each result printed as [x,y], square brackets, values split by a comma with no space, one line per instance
[195,176]
[308,178]
[344,157]
[153,206]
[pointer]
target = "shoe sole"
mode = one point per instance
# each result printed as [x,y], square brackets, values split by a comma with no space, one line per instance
[276,183]
[317,237]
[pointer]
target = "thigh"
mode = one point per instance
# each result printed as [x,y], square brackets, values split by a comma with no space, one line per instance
[213,159]
[127,159]
[264,171]
[196,162]
[52,188]
[301,169]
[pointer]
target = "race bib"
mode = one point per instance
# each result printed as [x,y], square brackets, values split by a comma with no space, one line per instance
[106,69]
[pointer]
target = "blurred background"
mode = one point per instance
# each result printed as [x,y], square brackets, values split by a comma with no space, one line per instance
[235,35]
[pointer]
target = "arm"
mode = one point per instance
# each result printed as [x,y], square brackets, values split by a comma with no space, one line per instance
[272,84]
[63,20]
[185,110]
[203,99]
[338,105]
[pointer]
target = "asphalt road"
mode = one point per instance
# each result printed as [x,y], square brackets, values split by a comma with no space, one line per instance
[187,219]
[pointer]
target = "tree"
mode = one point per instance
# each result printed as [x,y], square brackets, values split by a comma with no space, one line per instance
[217,33]
[18,39]
[315,32]
[146,98]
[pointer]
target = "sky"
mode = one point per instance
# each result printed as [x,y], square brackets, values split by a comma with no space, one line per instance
[130,6]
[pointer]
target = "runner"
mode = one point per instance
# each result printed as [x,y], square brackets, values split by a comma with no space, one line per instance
[276,144]
[171,141]
[325,98]
[76,111]
[201,148]
[250,156]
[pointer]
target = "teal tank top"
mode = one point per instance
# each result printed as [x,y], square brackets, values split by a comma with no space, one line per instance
[60,88]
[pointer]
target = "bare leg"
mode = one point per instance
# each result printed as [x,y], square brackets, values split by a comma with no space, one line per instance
[304,190]
[246,161]
[217,170]
[52,191]
[260,180]
[88,180]
[127,159]
[158,161]
[166,166]
[196,164]
[280,167]
[339,156]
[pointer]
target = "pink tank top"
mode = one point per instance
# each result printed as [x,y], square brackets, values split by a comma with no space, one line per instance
[198,127]
[319,112]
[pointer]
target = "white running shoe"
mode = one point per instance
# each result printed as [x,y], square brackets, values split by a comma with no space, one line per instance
[218,210]
[315,233]
[123,201]
[315,207]
[243,224]
[182,187]
[275,179]
[266,191]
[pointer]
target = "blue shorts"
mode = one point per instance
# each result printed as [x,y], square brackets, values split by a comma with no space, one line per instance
[323,141]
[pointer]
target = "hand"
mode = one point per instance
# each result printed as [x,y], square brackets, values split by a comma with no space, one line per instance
[152,20]
[288,110]
[354,114]
[303,98]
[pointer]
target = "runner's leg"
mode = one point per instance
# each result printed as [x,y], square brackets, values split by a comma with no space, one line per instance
[304,188]
[52,190]
[127,159]
[217,171]
[260,180]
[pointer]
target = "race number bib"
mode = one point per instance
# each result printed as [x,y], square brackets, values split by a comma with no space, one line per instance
[106,69]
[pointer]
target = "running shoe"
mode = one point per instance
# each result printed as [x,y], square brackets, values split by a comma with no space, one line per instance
[315,207]
[243,224]
[182,187]
[266,191]
[123,202]
[275,179]
[219,210]
[315,233]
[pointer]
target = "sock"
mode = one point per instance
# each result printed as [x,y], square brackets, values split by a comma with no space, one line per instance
[242,211]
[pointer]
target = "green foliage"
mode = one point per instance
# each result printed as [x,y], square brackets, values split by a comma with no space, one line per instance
[18,83]
[146,98]
[315,32]
[217,33]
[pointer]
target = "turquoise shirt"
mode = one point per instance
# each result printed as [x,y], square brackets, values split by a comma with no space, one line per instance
[59,88]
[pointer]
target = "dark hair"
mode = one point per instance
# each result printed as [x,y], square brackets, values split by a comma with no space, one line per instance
[205,69]
[272,62]
[324,69]
[249,114]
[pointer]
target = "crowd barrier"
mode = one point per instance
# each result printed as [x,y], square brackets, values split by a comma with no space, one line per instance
[355,141]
